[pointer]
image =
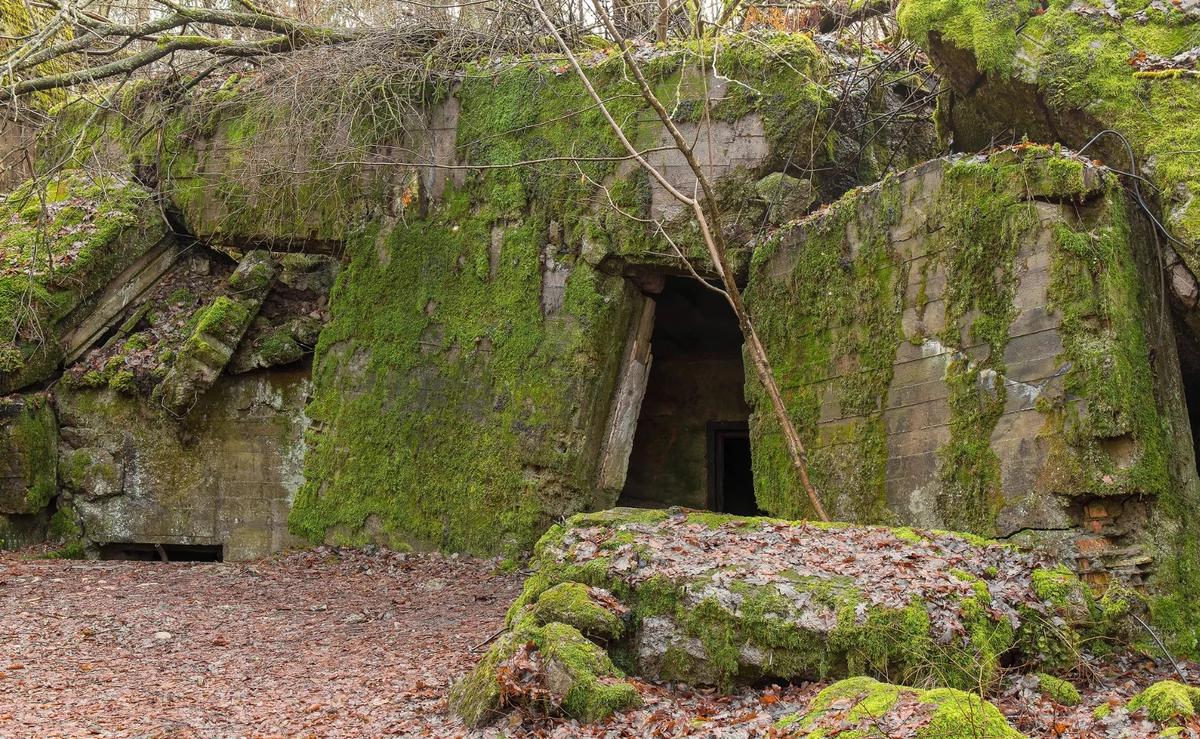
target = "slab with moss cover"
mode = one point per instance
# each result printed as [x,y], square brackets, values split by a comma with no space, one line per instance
[723,600]
[864,707]
[218,330]
[60,244]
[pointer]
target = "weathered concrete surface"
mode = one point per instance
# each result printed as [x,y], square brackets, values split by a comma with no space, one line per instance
[225,477]
[950,306]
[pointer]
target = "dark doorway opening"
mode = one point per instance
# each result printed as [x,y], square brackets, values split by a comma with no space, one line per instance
[730,475]
[1191,392]
[163,552]
[1189,375]
[696,384]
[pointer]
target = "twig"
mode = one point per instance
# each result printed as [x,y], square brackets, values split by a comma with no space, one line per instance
[479,647]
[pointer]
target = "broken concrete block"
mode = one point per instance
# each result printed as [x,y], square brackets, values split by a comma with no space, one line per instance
[725,600]
[276,345]
[219,329]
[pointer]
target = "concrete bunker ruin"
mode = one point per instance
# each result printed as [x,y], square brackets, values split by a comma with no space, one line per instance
[964,345]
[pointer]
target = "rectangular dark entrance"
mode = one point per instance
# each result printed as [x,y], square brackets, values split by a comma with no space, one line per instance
[163,552]
[730,475]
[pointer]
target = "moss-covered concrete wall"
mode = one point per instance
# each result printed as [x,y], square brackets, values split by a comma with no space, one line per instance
[28,467]
[463,387]
[1064,71]
[976,344]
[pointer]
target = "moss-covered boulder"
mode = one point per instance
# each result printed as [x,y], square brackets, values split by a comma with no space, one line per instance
[862,706]
[1167,700]
[218,330]
[1058,690]
[61,242]
[722,600]
[553,665]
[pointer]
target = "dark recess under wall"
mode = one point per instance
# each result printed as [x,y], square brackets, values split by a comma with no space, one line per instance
[163,552]
[691,447]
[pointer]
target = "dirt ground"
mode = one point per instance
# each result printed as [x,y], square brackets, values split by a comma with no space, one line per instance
[327,643]
[315,643]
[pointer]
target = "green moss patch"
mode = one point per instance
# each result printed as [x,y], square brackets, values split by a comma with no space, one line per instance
[1058,690]
[1167,700]
[861,706]
[594,612]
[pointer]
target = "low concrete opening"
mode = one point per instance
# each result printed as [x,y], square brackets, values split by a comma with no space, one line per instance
[163,552]
[692,447]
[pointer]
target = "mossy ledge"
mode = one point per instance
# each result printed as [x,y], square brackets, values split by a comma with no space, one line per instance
[61,242]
